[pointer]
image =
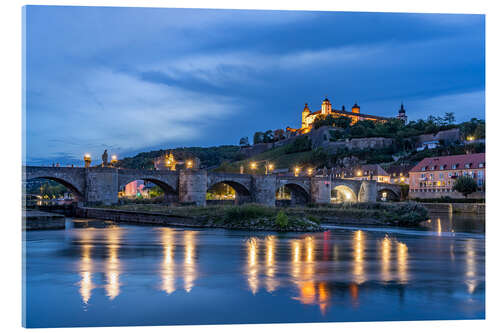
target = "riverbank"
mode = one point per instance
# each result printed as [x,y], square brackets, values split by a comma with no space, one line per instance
[255,217]
[38,220]
[455,207]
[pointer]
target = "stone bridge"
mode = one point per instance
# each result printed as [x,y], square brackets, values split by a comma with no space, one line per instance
[101,185]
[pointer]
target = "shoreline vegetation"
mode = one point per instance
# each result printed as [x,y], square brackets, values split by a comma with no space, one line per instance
[297,219]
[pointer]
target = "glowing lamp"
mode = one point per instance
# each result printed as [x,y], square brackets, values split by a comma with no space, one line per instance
[189,164]
[253,165]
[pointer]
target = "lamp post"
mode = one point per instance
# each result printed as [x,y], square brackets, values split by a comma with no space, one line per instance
[87,160]
[114,160]
[189,164]
[296,171]
[310,171]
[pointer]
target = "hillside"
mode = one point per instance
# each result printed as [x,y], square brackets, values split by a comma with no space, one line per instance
[209,156]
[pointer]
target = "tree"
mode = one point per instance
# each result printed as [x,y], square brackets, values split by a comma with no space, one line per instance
[268,136]
[465,185]
[258,137]
[342,122]
[449,118]
[244,141]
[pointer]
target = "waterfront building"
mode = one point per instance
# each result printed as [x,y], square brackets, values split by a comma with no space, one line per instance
[363,172]
[399,174]
[434,177]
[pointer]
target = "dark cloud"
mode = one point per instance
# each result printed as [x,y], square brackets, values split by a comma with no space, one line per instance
[132,79]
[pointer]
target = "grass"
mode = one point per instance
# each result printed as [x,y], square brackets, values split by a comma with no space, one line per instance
[403,214]
[277,156]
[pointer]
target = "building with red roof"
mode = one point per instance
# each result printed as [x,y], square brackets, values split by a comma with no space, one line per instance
[433,177]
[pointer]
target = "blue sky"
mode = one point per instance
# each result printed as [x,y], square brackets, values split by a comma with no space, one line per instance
[139,79]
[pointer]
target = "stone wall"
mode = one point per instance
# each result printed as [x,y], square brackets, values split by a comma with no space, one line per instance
[193,187]
[264,190]
[101,185]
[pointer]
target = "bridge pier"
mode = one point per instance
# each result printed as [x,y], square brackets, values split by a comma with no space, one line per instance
[101,186]
[264,190]
[193,187]
[321,190]
[368,191]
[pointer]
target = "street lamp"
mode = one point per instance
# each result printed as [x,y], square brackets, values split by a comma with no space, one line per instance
[296,171]
[189,164]
[310,171]
[359,173]
[114,159]
[87,160]
[253,165]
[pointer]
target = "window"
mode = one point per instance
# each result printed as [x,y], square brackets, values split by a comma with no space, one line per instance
[441,167]
[450,174]
[423,168]
[479,174]
[432,168]
[454,166]
[467,165]
[441,176]
[481,165]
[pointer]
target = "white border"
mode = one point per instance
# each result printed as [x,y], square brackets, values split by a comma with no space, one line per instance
[10,18]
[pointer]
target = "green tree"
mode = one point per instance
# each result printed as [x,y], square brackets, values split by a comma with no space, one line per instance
[342,122]
[449,118]
[268,136]
[244,141]
[258,137]
[465,185]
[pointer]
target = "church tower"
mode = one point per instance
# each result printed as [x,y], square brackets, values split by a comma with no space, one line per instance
[402,114]
[326,107]
[305,113]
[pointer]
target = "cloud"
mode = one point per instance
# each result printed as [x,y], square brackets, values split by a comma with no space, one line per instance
[109,109]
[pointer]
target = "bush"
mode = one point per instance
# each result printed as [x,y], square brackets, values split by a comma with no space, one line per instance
[299,145]
[246,212]
[282,219]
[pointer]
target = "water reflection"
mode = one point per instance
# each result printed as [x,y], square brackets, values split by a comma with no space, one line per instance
[168,263]
[470,266]
[358,271]
[113,263]
[271,282]
[252,264]
[86,284]
[385,258]
[402,262]
[189,259]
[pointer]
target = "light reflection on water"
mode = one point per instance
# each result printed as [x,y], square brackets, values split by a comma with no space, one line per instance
[356,272]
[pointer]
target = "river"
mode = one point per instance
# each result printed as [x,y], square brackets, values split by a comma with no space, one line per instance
[96,273]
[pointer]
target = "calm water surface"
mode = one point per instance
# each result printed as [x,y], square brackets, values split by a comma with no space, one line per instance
[97,274]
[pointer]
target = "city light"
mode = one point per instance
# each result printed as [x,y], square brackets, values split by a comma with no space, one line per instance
[271,167]
[253,165]
[296,171]
[310,171]
[470,138]
[359,173]
[114,159]
[87,160]
[189,164]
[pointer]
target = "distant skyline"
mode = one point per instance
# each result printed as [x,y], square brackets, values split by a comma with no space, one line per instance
[140,79]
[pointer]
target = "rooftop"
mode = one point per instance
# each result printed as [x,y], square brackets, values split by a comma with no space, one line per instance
[451,162]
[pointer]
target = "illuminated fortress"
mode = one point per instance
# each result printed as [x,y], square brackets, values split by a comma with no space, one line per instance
[309,117]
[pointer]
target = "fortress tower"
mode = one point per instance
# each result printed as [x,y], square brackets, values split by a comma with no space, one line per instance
[326,107]
[305,113]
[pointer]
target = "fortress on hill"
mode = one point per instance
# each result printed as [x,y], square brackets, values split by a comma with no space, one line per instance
[355,114]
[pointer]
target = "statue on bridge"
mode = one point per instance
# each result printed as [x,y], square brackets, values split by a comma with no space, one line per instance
[105,158]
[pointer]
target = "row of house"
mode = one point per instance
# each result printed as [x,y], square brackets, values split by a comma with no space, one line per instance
[432,177]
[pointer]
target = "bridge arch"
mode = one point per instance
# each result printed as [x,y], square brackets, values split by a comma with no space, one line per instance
[295,193]
[170,193]
[387,194]
[241,192]
[75,191]
[343,193]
